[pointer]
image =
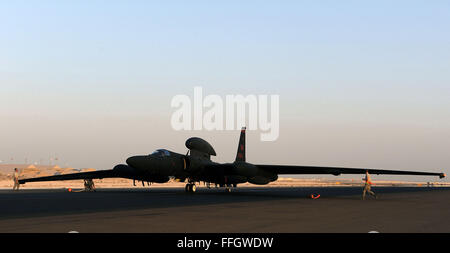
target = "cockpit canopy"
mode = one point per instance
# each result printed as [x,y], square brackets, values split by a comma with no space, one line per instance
[160,153]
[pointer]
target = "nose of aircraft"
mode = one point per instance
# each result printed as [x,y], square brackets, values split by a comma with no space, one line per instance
[141,162]
[134,161]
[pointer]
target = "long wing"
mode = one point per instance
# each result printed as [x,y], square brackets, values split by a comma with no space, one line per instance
[286,169]
[83,175]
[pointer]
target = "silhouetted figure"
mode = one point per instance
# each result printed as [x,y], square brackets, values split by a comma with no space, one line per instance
[89,185]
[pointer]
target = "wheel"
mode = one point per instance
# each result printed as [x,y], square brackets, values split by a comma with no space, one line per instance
[228,190]
[193,188]
[187,188]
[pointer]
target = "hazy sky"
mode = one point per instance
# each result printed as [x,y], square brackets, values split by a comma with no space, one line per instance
[361,84]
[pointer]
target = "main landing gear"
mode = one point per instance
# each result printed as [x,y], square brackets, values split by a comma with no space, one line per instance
[190,188]
[228,187]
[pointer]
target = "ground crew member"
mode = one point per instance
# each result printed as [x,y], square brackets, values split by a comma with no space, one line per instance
[367,186]
[16,179]
[89,185]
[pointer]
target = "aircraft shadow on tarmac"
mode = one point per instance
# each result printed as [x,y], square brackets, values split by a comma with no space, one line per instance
[30,203]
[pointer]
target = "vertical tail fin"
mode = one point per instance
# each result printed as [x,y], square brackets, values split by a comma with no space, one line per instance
[240,156]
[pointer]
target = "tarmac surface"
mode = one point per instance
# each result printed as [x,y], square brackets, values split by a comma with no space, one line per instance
[253,210]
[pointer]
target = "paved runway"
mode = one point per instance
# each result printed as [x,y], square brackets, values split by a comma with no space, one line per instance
[339,209]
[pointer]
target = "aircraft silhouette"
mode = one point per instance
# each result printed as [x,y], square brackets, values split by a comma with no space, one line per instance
[196,166]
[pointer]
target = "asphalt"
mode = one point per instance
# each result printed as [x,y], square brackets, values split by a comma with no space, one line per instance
[255,210]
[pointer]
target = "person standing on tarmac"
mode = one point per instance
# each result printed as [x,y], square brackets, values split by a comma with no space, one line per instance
[367,186]
[16,179]
[89,185]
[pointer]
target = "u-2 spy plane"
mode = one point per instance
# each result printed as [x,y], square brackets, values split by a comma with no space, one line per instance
[196,166]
